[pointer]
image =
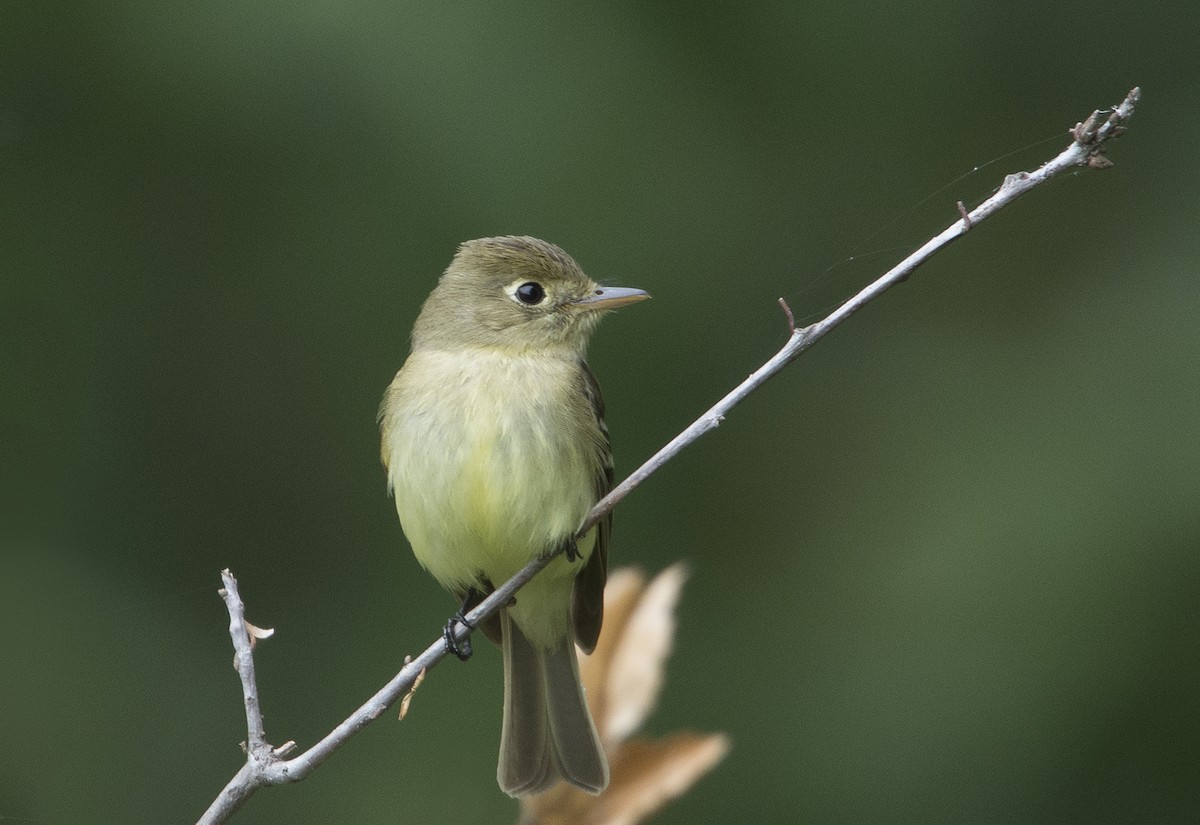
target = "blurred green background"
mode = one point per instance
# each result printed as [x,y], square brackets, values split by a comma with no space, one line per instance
[945,568]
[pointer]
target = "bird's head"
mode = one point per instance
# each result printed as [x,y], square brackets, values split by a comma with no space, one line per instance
[517,294]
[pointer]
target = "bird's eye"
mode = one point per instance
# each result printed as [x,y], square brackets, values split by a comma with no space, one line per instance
[530,293]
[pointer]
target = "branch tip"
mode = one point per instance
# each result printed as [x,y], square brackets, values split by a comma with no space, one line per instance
[791,319]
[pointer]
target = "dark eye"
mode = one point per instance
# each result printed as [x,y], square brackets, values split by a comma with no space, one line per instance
[530,293]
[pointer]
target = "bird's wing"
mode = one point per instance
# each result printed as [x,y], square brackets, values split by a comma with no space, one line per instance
[587,607]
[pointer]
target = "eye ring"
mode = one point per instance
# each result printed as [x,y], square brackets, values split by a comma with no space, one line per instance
[530,293]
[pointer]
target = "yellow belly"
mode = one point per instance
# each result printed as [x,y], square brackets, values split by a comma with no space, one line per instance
[491,460]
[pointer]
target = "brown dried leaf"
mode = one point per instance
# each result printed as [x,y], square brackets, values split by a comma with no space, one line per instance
[649,774]
[623,679]
[621,595]
[635,673]
[646,775]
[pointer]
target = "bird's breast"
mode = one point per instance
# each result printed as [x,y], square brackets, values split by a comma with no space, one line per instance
[491,458]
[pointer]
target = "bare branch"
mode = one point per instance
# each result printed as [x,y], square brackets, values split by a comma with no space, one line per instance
[1087,147]
[265,765]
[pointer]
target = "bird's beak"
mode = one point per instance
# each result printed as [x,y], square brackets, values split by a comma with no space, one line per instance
[611,297]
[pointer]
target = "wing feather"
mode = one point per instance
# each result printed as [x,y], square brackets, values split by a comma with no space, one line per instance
[587,606]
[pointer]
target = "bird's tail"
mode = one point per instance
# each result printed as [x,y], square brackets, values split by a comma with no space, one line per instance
[548,733]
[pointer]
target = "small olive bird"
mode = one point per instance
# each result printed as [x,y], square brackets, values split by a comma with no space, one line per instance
[496,450]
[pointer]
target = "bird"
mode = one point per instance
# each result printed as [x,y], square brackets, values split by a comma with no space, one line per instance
[495,446]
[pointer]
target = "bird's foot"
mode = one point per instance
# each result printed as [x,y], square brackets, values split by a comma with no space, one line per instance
[571,550]
[461,649]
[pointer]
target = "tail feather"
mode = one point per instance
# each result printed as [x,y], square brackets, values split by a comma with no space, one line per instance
[548,733]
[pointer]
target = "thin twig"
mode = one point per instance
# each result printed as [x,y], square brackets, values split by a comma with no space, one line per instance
[1087,146]
[265,766]
[787,311]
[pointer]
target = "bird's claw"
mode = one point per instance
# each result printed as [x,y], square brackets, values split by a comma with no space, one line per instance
[461,649]
[571,551]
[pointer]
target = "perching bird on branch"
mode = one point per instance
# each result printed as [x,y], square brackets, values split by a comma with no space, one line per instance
[496,449]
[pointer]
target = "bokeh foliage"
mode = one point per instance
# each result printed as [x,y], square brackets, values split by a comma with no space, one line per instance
[945,568]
